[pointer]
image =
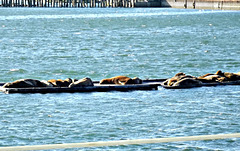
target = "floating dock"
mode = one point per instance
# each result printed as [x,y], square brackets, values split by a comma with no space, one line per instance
[95,88]
[151,84]
[204,85]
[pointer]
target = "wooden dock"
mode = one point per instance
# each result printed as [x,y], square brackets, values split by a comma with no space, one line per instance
[67,3]
[205,85]
[95,88]
[150,84]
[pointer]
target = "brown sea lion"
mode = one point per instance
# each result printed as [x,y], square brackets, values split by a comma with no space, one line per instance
[171,81]
[176,78]
[211,78]
[228,75]
[81,83]
[134,80]
[206,75]
[60,82]
[121,80]
[25,83]
[219,72]
[219,76]
[232,76]
[188,83]
[48,84]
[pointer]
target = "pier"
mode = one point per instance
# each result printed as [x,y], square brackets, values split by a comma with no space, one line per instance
[187,4]
[67,3]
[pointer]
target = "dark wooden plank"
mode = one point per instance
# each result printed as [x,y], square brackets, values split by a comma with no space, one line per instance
[237,82]
[154,80]
[177,87]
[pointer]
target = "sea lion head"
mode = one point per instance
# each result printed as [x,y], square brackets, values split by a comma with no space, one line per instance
[137,80]
[219,72]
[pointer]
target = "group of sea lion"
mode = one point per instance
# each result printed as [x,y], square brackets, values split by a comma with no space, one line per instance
[180,80]
[71,83]
[186,81]
[27,83]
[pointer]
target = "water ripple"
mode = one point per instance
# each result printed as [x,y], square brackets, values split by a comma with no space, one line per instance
[105,15]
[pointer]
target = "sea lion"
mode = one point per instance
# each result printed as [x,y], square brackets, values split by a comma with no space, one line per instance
[25,83]
[188,83]
[206,75]
[211,78]
[219,76]
[228,75]
[134,80]
[48,84]
[60,82]
[121,80]
[171,81]
[219,72]
[81,83]
[176,78]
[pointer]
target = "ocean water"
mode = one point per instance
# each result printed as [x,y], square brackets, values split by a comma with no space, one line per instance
[59,43]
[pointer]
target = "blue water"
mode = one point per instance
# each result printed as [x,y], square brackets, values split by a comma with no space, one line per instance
[58,43]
